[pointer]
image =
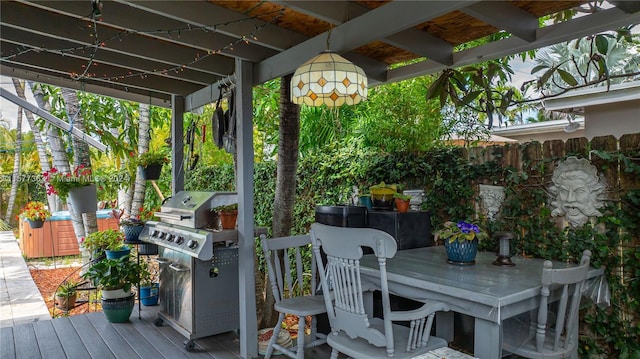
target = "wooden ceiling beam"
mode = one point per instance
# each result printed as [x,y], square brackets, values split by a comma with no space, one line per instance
[605,20]
[413,40]
[199,13]
[505,16]
[44,22]
[374,25]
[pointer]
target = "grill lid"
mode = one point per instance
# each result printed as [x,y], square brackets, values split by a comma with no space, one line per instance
[193,208]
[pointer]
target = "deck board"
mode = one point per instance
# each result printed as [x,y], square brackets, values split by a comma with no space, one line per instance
[48,341]
[69,338]
[7,348]
[164,344]
[90,337]
[119,346]
[24,338]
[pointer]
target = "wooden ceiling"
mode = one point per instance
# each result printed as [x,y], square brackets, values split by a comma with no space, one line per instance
[146,51]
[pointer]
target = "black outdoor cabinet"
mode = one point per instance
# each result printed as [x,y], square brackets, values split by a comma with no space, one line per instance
[410,229]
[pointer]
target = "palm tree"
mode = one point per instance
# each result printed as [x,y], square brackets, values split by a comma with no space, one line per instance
[16,166]
[143,147]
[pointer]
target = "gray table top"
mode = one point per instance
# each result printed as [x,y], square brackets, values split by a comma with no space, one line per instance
[487,284]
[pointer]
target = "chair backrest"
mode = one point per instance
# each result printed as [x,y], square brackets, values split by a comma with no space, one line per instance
[286,267]
[343,247]
[570,283]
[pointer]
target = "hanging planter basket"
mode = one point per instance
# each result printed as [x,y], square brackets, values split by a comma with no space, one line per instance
[151,172]
[84,199]
[36,223]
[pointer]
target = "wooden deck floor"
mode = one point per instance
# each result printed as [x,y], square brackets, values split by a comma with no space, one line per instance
[92,336]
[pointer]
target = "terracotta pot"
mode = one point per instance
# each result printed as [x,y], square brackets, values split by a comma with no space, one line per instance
[65,303]
[402,205]
[228,219]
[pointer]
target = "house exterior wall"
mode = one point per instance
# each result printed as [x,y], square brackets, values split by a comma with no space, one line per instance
[615,119]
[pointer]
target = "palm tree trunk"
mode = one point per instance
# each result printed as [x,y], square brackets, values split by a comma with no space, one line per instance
[60,160]
[42,153]
[89,223]
[288,147]
[16,167]
[143,147]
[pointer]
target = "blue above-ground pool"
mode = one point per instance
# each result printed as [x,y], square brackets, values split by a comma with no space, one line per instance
[64,215]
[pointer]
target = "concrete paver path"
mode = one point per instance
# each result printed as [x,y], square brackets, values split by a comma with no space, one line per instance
[20,300]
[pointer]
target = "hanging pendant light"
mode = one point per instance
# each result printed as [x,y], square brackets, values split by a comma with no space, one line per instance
[328,79]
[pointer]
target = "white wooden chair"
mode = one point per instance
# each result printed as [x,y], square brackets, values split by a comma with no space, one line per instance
[286,276]
[353,332]
[548,333]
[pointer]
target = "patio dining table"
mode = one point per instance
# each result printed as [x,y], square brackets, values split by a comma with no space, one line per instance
[487,292]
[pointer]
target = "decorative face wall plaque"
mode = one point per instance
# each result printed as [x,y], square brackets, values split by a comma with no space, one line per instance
[576,189]
[492,198]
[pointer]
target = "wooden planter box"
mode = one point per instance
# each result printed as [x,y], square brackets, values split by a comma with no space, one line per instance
[56,237]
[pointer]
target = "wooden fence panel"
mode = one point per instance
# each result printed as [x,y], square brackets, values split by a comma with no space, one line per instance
[608,170]
[577,146]
[630,145]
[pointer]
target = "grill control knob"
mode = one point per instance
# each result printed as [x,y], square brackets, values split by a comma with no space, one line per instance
[161,235]
[170,237]
[154,233]
[192,244]
[180,239]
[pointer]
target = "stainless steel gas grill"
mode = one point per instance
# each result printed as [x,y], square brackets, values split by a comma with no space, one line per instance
[198,265]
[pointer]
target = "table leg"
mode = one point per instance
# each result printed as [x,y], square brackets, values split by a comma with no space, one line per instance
[487,339]
[444,325]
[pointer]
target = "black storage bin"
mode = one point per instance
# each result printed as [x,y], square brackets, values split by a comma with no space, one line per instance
[410,229]
[342,216]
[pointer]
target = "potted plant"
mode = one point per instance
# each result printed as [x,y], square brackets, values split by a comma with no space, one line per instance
[461,241]
[402,202]
[382,195]
[105,242]
[151,164]
[35,213]
[114,277]
[364,197]
[149,286]
[65,295]
[228,215]
[77,185]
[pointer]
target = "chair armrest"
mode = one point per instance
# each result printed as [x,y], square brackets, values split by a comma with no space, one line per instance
[427,309]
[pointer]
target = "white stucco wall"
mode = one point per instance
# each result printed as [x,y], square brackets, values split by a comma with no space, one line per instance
[614,119]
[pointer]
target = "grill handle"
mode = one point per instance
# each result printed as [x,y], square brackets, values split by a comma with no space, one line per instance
[162,260]
[178,268]
[173,216]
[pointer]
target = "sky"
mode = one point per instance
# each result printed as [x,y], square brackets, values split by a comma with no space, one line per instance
[9,110]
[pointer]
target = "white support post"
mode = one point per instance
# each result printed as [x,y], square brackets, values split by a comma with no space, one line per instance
[177,144]
[246,240]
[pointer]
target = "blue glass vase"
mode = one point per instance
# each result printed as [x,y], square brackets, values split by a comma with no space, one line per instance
[461,252]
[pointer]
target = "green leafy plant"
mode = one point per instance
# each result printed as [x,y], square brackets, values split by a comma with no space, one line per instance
[61,183]
[461,231]
[152,158]
[401,196]
[227,208]
[147,276]
[112,274]
[109,239]
[67,289]
[34,211]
